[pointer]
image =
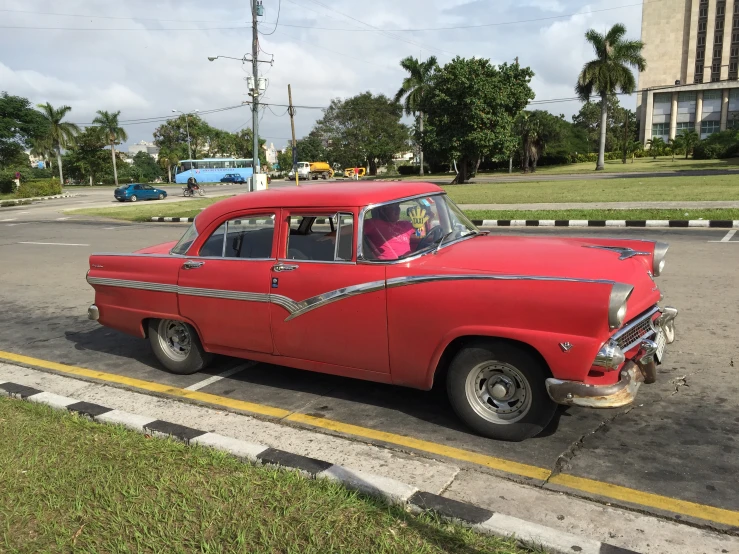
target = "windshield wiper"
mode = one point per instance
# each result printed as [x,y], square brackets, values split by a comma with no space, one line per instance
[442,239]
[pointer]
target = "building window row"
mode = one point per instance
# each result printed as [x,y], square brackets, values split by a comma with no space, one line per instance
[709,127]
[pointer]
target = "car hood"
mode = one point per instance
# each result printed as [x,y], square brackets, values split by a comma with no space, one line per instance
[548,257]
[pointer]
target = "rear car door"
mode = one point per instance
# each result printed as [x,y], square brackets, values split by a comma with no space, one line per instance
[326,308]
[224,289]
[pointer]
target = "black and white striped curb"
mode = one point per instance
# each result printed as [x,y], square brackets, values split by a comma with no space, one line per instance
[390,490]
[714,223]
[173,219]
[15,201]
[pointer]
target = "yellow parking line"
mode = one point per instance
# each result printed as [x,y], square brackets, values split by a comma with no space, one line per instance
[599,488]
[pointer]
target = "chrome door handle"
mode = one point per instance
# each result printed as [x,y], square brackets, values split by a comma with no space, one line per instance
[284,267]
[189,264]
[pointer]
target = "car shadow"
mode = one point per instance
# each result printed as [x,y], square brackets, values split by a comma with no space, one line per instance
[271,384]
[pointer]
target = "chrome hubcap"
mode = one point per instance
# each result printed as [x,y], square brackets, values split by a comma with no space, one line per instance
[498,392]
[174,338]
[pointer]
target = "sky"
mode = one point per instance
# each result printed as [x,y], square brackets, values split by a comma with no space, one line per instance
[148,57]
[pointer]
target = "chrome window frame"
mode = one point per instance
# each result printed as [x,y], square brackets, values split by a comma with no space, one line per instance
[338,215]
[225,234]
[360,232]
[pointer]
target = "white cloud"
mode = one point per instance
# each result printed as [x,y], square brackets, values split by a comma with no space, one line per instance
[150,71]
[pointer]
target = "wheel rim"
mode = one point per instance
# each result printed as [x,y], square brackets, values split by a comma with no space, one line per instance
[133,198]
[175,339]
[161,197]
[498,392]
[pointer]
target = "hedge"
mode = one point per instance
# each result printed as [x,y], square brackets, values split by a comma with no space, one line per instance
[32,189]
[412,169]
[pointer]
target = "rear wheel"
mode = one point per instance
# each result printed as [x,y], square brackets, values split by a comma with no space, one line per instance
[498,389]
[177,346]
[134,198]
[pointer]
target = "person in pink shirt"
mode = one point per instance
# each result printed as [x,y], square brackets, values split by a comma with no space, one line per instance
[388,236]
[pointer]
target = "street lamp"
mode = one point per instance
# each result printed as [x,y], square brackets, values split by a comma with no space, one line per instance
[187,128]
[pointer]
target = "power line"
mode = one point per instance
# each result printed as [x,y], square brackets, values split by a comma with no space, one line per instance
[279,6]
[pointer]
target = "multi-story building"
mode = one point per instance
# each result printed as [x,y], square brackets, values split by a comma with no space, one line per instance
[692,53]
[143,146]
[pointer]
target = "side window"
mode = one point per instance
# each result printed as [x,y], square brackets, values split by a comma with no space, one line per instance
[247,238]
[137,187]
[326,238]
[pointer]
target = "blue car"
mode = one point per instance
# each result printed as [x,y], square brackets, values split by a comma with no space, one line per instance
[233,178]
[136,192]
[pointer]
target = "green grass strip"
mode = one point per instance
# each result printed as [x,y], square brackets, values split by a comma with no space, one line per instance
[682,214]
[71,485]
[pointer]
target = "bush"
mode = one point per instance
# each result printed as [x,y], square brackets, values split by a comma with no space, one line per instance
[31,189]
[412,169]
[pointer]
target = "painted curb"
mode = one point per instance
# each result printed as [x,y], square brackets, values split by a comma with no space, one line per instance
[16,201]
[704,223]
[390,490]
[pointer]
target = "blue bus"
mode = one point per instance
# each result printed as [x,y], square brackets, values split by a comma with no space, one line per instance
[212,170]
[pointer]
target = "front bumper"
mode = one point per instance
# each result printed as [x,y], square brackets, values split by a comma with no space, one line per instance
[640,369]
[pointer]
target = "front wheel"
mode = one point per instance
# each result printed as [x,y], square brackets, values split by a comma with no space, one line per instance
[499,390]
[161,196]
[177,346]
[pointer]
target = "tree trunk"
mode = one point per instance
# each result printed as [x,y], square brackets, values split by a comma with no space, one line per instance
[510,165]
[115,170]
[420,126]
[372,166]
[601,165]
[90,180]
[169,173]
[59,163]
[525,161]
[477,166]
[462,168]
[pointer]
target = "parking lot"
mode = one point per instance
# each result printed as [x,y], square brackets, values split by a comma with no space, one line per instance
[672,453]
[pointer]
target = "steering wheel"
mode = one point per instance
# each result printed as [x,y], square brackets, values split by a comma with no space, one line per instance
[431,237]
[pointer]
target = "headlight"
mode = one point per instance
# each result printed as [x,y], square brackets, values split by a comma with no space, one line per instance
[620,293]
[658,263]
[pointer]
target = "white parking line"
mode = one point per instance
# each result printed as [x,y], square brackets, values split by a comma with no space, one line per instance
[55,243]
[216,378]
[727,238]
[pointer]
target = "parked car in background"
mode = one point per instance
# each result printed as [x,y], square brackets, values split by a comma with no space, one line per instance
[137,191]
[349,172]
[233,178]
[390,282]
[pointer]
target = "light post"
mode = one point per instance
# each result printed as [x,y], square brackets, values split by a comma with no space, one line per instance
[187,128]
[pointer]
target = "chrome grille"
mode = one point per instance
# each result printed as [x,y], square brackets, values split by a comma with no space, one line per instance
[638,329]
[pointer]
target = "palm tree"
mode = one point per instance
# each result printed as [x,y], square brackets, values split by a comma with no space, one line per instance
[608,72]
[108,123]
[414,86]
[41,148]
[657,146]
[61,133]
[689,140]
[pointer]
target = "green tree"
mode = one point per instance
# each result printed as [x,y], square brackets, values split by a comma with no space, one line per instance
[285,159]
[632,147]
[589,117]
[362,129]
[414,87]
[244,143]
[86,157]
[20,125]
[147,167]
[41,148]
[611,70]
[310,148]
[657,146]
[689,140]
[166,159]
[537,129]
[114,134]
[61,133]
[470,110]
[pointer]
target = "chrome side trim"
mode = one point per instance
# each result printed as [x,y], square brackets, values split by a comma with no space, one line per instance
[334,296]
[225,294]
[403,281]
[284,302]
[126,284]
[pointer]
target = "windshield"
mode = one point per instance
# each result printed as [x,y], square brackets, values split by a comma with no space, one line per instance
[185,242]
[405,228]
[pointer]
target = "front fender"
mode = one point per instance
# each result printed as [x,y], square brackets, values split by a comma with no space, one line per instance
[566,364]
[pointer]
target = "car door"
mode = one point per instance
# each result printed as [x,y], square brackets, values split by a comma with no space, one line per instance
[325,307]
[224,288]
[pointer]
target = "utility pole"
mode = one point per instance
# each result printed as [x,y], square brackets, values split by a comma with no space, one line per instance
[291,111]
[255,105]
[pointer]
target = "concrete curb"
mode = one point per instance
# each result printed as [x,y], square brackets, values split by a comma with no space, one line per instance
[390,490]
[16,201]
[713,223]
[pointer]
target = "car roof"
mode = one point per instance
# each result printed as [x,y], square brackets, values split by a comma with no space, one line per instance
[339,195]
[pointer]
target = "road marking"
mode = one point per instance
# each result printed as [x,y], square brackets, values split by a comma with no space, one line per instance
[14,224]
[55,243]
[727,238]
[62,218]
[599,488]
[11,219]
[216,378]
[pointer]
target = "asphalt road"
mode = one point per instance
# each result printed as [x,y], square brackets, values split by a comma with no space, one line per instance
[679,440]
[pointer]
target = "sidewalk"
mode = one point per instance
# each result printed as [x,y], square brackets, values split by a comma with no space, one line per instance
[560,515]
[604,205]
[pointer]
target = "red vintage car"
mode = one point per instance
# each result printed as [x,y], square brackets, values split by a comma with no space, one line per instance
[390,282]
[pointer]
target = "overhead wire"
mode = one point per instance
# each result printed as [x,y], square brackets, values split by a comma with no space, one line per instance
[277,22]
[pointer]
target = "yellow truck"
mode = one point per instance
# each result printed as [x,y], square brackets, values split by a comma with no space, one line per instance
[312,170]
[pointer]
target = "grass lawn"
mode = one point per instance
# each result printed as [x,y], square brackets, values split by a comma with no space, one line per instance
[731,214]
[73,485]
[719,187]
[662,163]
[145,211]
